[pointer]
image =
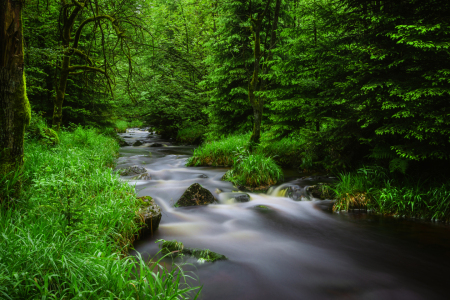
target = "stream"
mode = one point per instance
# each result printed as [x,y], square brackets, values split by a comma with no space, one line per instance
[293,249]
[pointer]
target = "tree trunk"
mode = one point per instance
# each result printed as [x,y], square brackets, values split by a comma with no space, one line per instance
[60,93]
[14,105]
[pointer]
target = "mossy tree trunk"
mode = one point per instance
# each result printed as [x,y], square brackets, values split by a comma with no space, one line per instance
[257,101]
[14,105]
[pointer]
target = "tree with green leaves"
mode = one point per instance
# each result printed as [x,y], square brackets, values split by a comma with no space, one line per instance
[104,19]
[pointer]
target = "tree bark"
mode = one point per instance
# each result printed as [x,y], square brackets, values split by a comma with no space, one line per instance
[14,106]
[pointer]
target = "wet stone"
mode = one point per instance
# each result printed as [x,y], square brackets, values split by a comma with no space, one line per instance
[242,197]
[149,214]
[144,176]
[137,143]
[133,170]
[202,176]
[295,192]
[196,195]
[156,145]
[320,191]
[123,143]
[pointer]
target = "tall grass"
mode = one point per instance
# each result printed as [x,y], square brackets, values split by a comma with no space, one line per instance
[254,170]
[376,189]
[218,153]
[70,230]
[191,135]
[122,125]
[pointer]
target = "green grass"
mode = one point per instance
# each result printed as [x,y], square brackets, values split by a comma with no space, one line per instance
[377,189]
[122,125]
[287,152]
[72,225]
[218,153]
[191,135]
[254,170]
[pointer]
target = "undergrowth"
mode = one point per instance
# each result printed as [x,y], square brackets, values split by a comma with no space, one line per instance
[191,135]
[68,234]
[376,188]
[122,125]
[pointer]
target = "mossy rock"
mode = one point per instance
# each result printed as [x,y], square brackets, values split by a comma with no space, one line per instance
[176,248]
[133,170]
[149,215]
[46,135]
[196,195]
[143,176]
[138,143]
[321,191]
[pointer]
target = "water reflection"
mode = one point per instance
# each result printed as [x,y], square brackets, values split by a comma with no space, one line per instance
[284,249]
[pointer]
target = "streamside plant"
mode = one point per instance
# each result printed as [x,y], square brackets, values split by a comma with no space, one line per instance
[253,170]
[68,236]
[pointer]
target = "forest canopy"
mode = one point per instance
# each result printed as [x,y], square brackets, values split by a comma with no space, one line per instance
[360,80]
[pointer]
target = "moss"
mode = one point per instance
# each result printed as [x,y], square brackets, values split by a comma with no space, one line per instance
[177,249]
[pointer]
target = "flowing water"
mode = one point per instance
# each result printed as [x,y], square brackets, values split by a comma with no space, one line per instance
[287,249]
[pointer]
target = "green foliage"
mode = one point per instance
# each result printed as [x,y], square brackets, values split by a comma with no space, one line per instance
[72,227]
[253,170]
[38,130]
[218,153]
[191,135]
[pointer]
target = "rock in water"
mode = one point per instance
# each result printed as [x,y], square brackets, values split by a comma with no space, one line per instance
[156,145]
[242,197]
[144,176]
[133,170]
[320,191]
[196,195]
[149,214]
[137,143]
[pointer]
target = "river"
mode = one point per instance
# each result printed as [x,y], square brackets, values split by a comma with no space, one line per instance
[293,249]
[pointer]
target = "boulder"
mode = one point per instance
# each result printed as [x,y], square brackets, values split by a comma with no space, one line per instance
[295,192]
[241,197]
[133,170]
[149,215]
[202,176]
[144,176]
[121,141]
[320,191]
[196,195]
[156,145]
[127,137]
[137,143]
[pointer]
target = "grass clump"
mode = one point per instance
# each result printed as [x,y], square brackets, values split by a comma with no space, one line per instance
[191,135]
[121,126]
[254,170]
[68,234]
[218,153]
[377,189]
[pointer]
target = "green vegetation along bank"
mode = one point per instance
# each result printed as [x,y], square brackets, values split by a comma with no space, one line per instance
[69,231]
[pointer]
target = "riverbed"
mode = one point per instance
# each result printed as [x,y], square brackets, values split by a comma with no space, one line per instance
[278,248]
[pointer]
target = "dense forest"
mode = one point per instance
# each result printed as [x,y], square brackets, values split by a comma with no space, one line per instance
[356,89]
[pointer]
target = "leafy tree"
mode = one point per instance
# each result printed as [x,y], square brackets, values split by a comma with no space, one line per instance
[104,19]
